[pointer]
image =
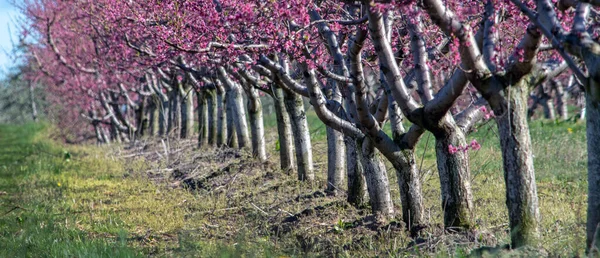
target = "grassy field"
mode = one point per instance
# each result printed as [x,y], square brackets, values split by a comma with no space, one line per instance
[167,199]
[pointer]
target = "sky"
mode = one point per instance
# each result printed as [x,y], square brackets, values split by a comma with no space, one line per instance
[8,13]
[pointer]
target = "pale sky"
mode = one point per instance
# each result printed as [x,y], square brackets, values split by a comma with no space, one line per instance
[8,14]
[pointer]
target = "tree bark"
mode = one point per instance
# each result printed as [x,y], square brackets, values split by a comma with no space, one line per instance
[519,174]
[239,113]
[357,186]
[455,177]
[175,113]
[164,119]
[257,126]
[409,180]
[336,149]
[593,150]
[284,129]
[202,119]
[295,106]
[377,181]
[561,99]
[154,111]
[231,140]
[187,113]
[213,113]
[222,129]
[34,112]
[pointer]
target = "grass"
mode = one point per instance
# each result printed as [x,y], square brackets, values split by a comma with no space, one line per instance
[36,218]
[129,201]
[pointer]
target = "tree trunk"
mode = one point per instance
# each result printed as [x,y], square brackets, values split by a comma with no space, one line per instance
[284,129]
[187,113]
[231,140]
[377,181]
[257,126]
[239,118]
[357,186]
[34,112]
[142,117]
[593,150]
[411,197]
[154,120]
[336,147]
[409,180]
[105,135]
[295,107]
[519,174]
[164,117]
[561,99]
[455,177]
[213,113]
[175,115]
[336,160]
[202,119]
[222,129]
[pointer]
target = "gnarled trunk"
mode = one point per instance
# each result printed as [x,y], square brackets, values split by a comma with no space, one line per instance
[295,107]
[455,177]
[164,119]
[411,197]
[222,129]
[154,114]
[378,184]
[336,160]
[284,129]
[175,113]
[409,180]
[239,117]
[357,186]
[519,174]
[257,126]
[593,150]
[231,140]
[202,119]
[187,113]
[561,99]
[213,113]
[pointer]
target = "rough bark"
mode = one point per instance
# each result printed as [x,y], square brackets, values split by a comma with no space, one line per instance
[561,99]
[202,119]
[519,174]
[175,113]
[239,114]
[593,150]
[409,180]
[213,113]
[231,140]
[257,126]
[187,113]
[336,150]
[284,129]
[357,186]
[377,181]
[154,114]
[455,177]
[34,112]
[164,117]
[295,106]
[222,129]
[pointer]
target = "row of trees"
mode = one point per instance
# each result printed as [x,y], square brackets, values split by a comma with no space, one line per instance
[134,68]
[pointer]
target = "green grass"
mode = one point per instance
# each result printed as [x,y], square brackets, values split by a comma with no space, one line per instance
[99,204]
[36,219]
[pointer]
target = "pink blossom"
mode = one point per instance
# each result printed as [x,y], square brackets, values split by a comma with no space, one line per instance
[475,145]
[452,149]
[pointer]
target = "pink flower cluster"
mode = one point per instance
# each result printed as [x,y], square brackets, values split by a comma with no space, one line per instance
[474,145]
[487,114]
